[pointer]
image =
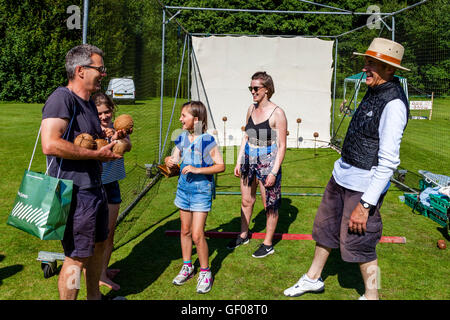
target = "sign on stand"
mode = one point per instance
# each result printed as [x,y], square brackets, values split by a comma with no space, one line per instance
[422,105]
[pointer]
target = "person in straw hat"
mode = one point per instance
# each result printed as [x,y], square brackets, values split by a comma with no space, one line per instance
[349,217]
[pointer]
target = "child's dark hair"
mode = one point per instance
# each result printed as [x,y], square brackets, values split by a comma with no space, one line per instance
[198,110]
[100,98]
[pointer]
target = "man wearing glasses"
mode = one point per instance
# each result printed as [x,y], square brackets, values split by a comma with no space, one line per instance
[68,112]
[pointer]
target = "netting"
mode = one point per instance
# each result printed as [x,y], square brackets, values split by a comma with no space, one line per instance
[130,33]
[133,48]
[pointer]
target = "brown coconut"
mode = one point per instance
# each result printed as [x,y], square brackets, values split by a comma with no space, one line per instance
[167,171]
[124,122]
[85,140]
[121,146]
[101,143]
[441,244]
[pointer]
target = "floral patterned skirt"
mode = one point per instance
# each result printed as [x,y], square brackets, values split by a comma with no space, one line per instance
[257,163]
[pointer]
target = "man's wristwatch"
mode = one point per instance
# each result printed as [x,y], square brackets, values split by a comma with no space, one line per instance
[366,205]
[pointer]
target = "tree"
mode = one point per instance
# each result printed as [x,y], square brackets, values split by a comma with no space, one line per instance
[34,39]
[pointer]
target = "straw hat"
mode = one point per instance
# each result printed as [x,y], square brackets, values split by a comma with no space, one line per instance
[387,51]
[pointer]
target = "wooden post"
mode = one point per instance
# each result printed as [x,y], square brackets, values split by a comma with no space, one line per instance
[224,119]
[299,120]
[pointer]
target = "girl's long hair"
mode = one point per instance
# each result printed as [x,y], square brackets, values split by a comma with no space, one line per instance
[197,109]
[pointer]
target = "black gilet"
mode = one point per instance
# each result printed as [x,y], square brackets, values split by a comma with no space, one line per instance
[260,134]
[362,141]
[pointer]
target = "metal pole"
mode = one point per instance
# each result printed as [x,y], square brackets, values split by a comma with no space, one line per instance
[85,20]
[176,94]
[194,70]
[258,35]
[363,26]
[189,70]
[334,86]
[324,5]
[125,212]
[272,11]
[411,6]
[393,28]
[162,83]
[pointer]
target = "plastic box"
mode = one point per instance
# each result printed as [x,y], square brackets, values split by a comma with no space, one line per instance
[440,202]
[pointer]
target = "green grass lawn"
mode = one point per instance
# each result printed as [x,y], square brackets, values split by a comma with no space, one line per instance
[149,259]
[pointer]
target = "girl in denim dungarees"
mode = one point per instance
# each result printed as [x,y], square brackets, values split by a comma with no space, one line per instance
[200,158]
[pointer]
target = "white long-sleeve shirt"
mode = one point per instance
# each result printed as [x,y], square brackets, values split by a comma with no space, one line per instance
[376,181]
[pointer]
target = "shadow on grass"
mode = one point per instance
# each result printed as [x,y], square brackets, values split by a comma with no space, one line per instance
[148,260]
[348,274]
[220,245]
[142,232]
[445,232]
[287,215]
[8,271]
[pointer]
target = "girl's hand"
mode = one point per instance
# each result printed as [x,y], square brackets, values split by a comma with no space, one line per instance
[109,132]
[170,163]
[190,169]
[237,170]
[119,134]
[270,180]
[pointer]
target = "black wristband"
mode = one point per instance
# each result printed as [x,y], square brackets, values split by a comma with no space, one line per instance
[366,205]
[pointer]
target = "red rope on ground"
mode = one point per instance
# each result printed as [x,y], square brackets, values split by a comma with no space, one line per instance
[283,236]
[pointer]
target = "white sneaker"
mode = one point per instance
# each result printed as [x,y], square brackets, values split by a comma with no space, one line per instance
[305,285]
[204,283]
[363,297]
[184,275]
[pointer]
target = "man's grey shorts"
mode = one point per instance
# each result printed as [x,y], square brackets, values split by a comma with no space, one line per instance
[87,222]
[331,224]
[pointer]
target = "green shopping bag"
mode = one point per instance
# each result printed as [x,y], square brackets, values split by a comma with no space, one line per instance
[42,206]
[42,203]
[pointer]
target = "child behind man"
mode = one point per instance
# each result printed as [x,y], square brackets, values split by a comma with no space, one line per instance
[113,171]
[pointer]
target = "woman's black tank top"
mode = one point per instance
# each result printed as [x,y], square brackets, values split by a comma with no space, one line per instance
[260,134]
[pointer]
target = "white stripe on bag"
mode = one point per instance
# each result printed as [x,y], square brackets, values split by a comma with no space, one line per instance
[25,217]
[40,222]
[31,214]
[30,176]
[35,215]
[21,210]
[38,216]
[24,211]
[16,208]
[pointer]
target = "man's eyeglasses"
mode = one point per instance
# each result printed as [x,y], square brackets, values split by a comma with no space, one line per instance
[254,88]
[101,69]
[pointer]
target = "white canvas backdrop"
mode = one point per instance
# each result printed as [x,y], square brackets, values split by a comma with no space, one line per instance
[301,69]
